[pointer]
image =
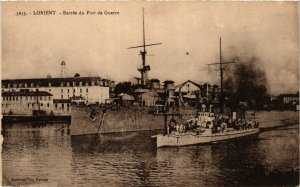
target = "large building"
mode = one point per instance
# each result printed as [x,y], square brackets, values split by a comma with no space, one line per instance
[87,90]
[24,102]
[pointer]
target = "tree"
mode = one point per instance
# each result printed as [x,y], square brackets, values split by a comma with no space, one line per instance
[124,87]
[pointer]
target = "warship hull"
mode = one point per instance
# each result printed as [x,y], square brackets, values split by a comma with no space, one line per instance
[123,119]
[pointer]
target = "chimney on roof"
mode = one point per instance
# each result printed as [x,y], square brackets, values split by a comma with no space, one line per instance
[63,66]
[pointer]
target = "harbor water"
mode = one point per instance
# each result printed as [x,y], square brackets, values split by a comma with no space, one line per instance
[46,154]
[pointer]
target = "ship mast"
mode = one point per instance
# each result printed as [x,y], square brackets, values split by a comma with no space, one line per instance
[221,77]
[145,68]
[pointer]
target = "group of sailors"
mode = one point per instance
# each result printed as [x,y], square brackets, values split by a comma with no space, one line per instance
[221,124]
[191,125]
[217,125]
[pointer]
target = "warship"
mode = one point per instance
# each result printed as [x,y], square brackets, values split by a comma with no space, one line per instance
[148,110]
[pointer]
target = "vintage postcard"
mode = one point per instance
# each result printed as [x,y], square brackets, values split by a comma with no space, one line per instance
[150,93]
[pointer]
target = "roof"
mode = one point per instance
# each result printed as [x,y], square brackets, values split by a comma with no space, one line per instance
[168,82]
[127,97]
[77,98]
[154,80]
[36,93]
[61,101]
[289,95]
[44,82]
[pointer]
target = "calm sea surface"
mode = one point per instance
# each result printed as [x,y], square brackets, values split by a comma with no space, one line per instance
[41,154]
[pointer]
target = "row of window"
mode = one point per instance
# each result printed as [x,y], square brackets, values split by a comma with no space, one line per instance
[62,105]
[29,104]
[41,104]
[74,90]
[92,83]
[16,98]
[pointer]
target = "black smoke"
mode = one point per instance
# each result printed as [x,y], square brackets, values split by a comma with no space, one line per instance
[245,81]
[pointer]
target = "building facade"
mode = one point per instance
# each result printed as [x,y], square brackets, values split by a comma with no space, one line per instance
[24,102]
[89,89]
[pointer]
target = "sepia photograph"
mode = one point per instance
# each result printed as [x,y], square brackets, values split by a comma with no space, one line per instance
[150,93]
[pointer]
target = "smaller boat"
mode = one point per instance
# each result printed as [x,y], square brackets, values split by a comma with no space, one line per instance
[206,128]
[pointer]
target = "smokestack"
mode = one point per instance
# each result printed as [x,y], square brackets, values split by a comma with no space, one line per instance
[63,66]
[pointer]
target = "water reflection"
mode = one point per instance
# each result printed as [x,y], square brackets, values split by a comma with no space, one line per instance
[133,159]
[44,150]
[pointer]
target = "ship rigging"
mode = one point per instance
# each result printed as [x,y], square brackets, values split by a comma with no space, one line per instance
[221,63]
[145,68]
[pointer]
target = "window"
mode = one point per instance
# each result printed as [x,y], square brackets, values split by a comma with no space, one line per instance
[87,90]
[62,96]
[73,90]
[21,98]
[49,90]
[45,98]
[49,98]
[80,90]
[62,106]
[13,98]
[41,98]
[48,105]
[30,97]
[41,104]
[32,104]
[68,90]
[28,105]
[55,105]
[62,91]
[26,98]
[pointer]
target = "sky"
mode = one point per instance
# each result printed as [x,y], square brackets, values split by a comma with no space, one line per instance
[33,46]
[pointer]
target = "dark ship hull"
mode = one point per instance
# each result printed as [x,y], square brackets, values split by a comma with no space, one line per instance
[123,119]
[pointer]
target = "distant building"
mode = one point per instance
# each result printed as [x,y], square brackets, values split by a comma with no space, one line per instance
[24,102]
[89,89]
[190,93]
[289,98]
